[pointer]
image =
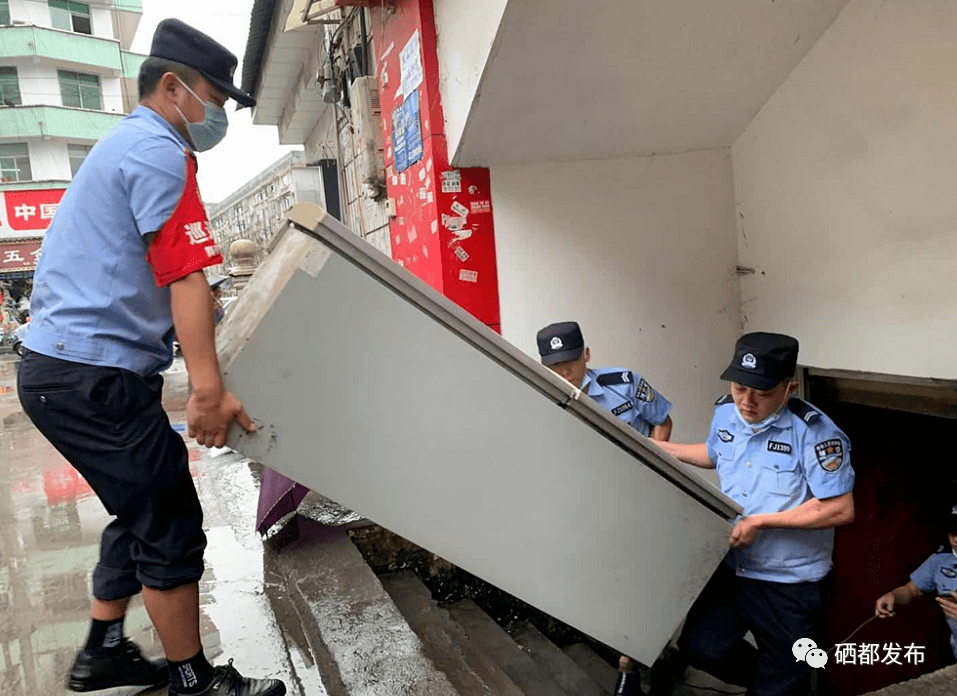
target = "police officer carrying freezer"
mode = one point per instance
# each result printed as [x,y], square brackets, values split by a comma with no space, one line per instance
[623,392]
[789,468]
[122,265]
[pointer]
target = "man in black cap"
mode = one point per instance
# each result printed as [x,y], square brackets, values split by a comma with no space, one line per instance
[789,468]
[121,268]
[623,392]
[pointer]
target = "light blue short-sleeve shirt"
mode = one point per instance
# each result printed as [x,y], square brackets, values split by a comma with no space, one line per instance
[95,299]
[628,396]
[800,455]
[938,576]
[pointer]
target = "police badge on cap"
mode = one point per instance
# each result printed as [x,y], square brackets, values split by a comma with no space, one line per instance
[560,342]
[761,360]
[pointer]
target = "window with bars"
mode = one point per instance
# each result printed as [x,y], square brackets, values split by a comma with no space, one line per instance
[80,90]
[4,12]
[15,162]
[9,87]
[77,154]
[71,16]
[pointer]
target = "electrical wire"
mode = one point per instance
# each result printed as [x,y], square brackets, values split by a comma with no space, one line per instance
[853,633]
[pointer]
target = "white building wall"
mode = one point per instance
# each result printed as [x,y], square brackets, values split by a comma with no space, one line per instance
[641,252]
[845,191]
[112,91]
[464,40]
[32,12]
[49,159]
[102,22]
[38,83]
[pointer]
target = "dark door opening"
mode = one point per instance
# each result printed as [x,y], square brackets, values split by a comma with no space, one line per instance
[905,465]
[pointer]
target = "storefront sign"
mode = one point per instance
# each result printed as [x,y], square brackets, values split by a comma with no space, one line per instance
[28,211]
[19,255]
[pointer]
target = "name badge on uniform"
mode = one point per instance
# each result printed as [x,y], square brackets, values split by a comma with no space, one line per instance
[725,436]
[830,454]
[782,447]
[618,410]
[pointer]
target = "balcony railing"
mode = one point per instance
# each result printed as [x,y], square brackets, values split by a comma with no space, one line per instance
[55,122]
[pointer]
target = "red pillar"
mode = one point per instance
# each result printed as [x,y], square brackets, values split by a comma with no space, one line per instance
[442,231]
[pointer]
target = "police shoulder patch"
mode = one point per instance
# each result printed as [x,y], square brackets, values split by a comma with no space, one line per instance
[803,410]
[645,392]
[617,377]
[948,572]
[830,454]
[725,436]
[726,399]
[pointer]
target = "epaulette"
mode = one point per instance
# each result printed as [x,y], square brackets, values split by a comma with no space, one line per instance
[620,377]
[803,410]
[943,549]
[726,399]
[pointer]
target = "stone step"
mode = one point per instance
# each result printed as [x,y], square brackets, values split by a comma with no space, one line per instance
[566,673]
[360,641]
[499,646]
[471,672]
[594,666]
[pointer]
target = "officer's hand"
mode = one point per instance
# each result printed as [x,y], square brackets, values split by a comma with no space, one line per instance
[744,532]
[884,608]
[948,605]
[209,415]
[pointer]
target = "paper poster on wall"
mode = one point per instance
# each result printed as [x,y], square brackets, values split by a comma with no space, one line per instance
[407,134]
[410,63]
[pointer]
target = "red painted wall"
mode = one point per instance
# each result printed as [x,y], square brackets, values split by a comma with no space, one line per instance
[443,230]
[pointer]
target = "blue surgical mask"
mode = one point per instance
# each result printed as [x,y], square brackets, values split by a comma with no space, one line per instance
[210,132]
[758,427]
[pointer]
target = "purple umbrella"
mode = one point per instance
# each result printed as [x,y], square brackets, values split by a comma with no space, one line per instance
[278,496]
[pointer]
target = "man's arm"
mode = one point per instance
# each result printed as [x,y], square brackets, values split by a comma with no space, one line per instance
[690,454]
[211,409]
[899,596]
[811,514]
[662,431]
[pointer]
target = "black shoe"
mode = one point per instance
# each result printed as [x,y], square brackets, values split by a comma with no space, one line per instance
[228,682]
[123,666]
[629,684]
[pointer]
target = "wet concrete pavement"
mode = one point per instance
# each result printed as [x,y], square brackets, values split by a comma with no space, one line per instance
[50,524]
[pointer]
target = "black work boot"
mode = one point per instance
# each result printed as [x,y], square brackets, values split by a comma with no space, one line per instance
[228,682]
[629,684]
[124,666]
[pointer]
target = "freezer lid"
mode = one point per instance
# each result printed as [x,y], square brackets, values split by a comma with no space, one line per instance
[317,223]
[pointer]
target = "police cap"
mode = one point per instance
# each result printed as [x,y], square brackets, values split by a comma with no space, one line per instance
[177,41]
[560,342]
[761,360]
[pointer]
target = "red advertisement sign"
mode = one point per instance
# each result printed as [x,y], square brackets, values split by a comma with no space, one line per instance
[19,255]
[29,211]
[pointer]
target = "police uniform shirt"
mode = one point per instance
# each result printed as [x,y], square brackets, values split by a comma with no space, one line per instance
[101,294]
[938,576]
[800,455]
[627,395]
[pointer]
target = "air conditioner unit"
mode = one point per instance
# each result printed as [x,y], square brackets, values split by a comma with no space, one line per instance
[366,120]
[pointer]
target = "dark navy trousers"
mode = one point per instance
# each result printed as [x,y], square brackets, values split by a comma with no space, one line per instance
[777,614]
[109,423]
